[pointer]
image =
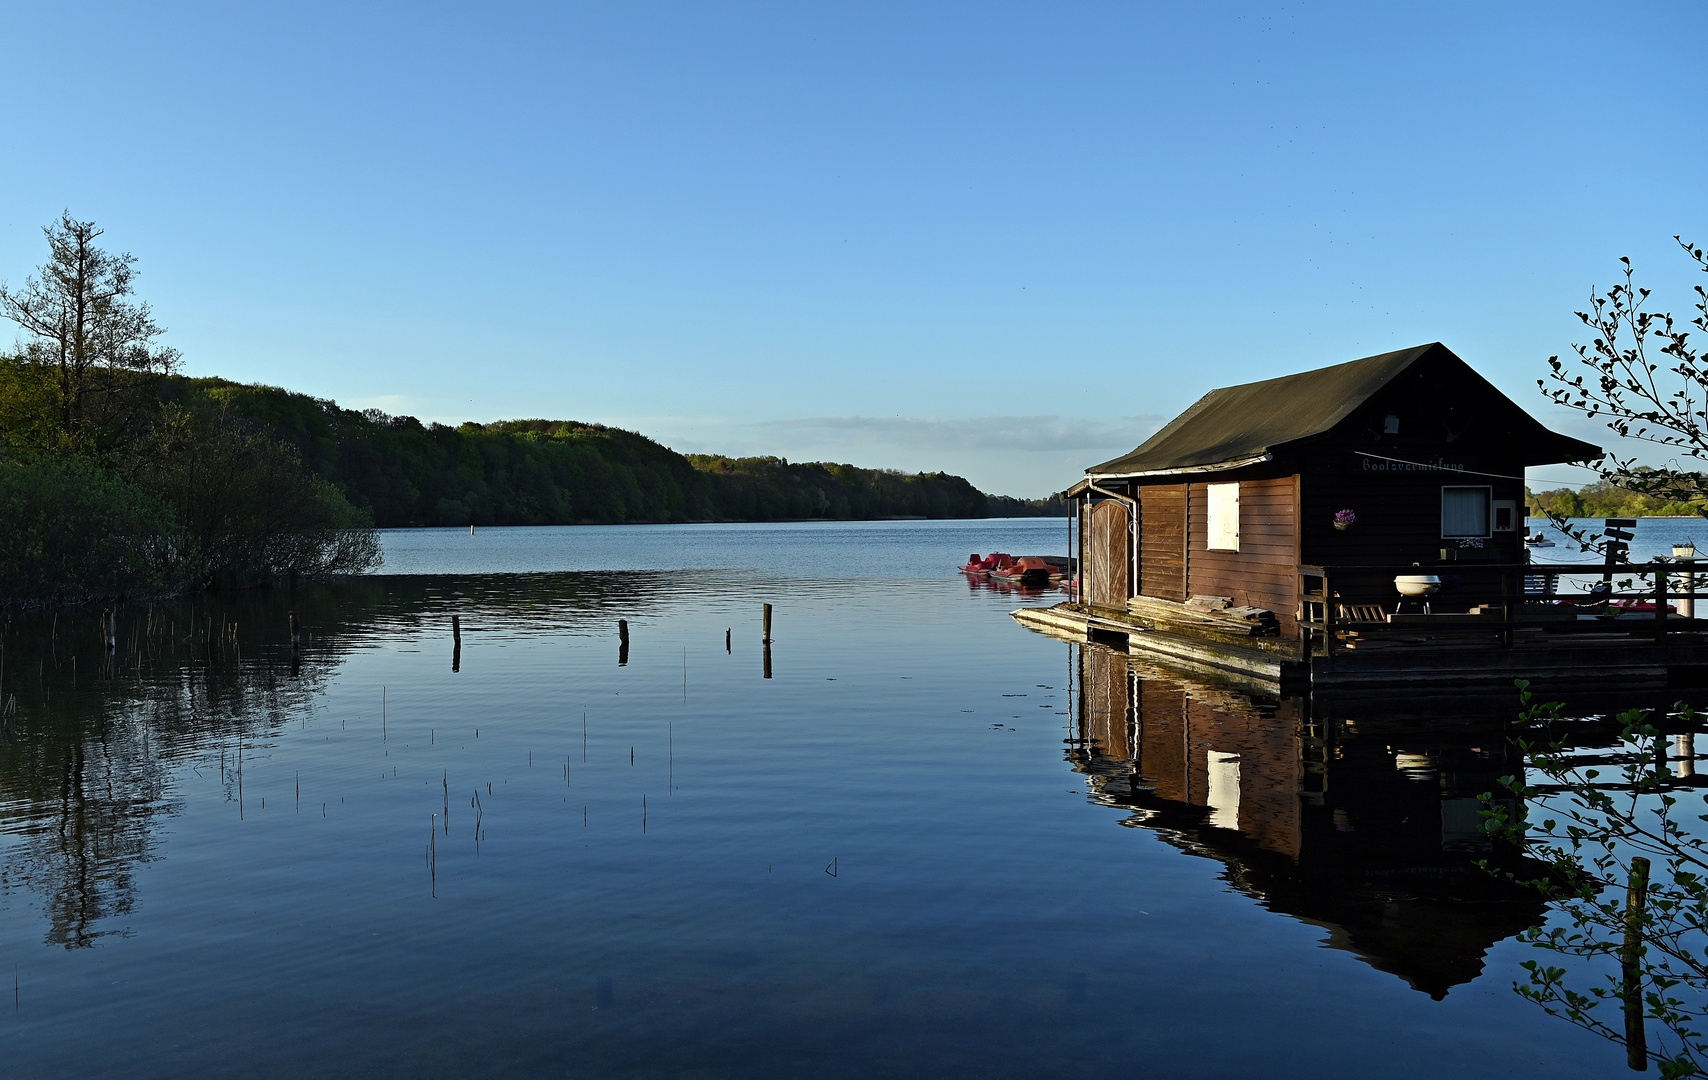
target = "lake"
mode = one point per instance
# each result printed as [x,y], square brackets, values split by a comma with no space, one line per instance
[911,838]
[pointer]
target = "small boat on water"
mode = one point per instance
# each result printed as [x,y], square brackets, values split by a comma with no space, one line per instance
[1537,540]
[980,566]
[1030,569]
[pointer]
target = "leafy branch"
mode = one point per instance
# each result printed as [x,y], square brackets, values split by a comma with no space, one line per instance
[1595,823]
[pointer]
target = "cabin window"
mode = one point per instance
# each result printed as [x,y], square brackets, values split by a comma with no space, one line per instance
[1223,506]
[1465,512]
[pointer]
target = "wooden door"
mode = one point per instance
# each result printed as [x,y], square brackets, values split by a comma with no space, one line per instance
[1110,554]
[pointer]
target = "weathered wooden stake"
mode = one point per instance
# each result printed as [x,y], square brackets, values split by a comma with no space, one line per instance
[622,642]
[456,643]
[767,636]
[1631,963]
[726,639]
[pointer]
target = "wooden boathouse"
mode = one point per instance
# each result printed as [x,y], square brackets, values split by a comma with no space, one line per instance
[1263,529]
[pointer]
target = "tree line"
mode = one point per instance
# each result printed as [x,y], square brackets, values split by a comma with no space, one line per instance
[121,476]
[107,487]
[1605,499]
[404,472]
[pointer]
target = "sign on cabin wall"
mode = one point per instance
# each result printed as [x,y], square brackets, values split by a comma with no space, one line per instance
[1362,464]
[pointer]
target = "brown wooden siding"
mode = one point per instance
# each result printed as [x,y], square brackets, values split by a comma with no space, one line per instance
[1162,564]
[1264,571]
[1110,555]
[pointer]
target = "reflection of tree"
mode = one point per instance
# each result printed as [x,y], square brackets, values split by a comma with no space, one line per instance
[86,767]
[85,806]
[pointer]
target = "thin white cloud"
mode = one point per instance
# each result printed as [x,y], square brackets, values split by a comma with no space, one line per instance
[1010,433]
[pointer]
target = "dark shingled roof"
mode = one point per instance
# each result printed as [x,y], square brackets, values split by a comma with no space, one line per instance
[1237,423]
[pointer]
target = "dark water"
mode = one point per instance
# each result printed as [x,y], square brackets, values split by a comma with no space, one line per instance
[931,844]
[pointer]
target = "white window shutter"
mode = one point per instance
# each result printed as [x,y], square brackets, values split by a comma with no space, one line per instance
[1223,506]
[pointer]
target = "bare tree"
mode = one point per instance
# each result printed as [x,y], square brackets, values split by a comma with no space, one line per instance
[89,345]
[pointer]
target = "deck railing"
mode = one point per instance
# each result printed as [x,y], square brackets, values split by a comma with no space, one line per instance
[1338,604]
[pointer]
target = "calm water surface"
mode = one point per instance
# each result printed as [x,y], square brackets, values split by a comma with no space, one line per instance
[930,844]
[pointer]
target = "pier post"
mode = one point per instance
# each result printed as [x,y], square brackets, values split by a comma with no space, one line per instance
[622,642]
[767,635]
[1631,966]
[456,643]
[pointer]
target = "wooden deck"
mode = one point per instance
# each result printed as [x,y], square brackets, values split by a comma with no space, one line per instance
[1614,658]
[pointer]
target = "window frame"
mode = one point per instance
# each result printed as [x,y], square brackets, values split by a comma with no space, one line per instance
[1488,511]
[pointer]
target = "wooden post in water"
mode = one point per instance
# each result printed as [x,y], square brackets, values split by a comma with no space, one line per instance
[1631,964]
[726,638]
[767,636]
[456,643]
[296,631]
[622,642]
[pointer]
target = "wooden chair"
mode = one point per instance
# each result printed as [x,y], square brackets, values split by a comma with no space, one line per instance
[1360,613]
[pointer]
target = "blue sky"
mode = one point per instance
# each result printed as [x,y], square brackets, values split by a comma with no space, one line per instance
[1003,240]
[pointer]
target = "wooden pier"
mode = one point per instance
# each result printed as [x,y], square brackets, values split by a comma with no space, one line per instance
[1516,627]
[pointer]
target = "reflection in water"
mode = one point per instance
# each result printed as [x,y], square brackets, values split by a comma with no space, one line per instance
[1373,838]
[84,770]
[108,711]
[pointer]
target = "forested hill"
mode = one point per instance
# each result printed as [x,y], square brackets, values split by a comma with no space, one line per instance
[553,472]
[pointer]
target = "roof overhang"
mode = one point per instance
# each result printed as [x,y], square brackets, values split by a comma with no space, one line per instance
[1183,470]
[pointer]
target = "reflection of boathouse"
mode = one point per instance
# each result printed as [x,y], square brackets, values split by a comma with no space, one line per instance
[1266,531]
[1372,837]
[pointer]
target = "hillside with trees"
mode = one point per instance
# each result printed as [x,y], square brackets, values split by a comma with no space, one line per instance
[559,472]
[121,477]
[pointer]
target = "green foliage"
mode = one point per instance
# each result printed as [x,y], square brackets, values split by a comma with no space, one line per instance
[557,472]
[89,353]
[1589,826]
[249,510]
[1604,499]
[771,489]
[74,531]
[1008,506]
[108,490]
